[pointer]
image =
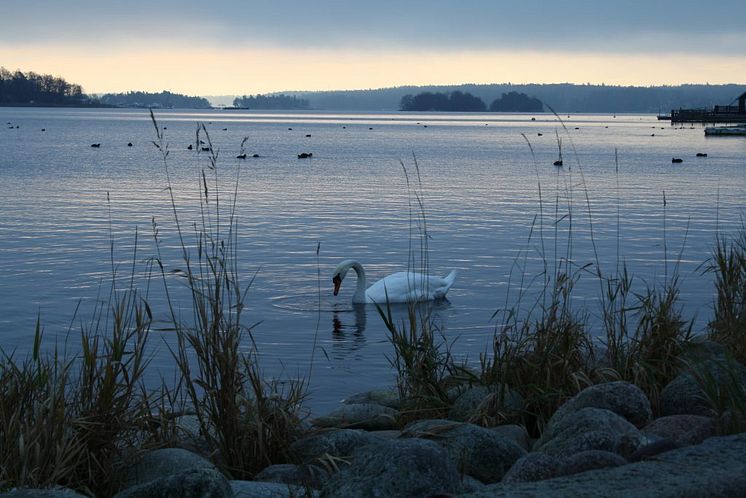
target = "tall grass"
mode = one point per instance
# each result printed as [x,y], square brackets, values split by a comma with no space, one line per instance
[249,421]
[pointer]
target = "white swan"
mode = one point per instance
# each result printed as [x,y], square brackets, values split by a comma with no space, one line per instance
[401,287]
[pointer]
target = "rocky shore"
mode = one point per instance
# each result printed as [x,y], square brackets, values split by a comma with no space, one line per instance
[604,441]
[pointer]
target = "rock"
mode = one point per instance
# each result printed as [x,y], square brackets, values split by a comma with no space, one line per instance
[300,475]
[429,427]
[253,489]
[590,460]
[196,483]
[684,396]
[533,467]
[620,397]
[515,432]
[479,452]
[653,449]
[684,430]
[470,484]
[482,400]
[160,463]
[396,468]
[388,434]
[41,493]
[715,468]
[377,397]
[586,429]
[336,443]
[367,416]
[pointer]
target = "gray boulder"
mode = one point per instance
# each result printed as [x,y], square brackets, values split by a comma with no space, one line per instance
[515,432]
[684,394]
[368,416]
[377,396]
[587,429]
[396,468]
[684,430]
[478,452]
[590,460]
[429,427]
[157,464]
[253,489]
[533,467]
[715,468]
[197,483]
[336,443]
[620,397]
[483,400]
[300,475]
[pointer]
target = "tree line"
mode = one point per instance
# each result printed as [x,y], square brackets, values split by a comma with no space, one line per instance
[260,101]
[19,88]
[457,101]
[163,99]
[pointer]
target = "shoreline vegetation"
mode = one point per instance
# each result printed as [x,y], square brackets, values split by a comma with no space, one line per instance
[545,400]
[36,90]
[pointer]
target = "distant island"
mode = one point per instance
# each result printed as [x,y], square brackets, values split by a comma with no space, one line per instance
[443,102]
[32,89]
[457,101]
[280,101]
[164,99]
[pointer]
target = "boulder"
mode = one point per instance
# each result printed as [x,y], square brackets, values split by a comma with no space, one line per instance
[517,433]
[336,443]
[715,468]
[196,483]
[620,397]
[684,430]
[429,427]
[160,463]
[300,475]
[377,397]
[403,468]
[483,400]
[684,394]
[590,460]
[253,489]
[368,416]
[587,429]
[533,467]
[478,452]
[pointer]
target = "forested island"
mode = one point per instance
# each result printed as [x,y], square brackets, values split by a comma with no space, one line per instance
[260,101]
[466,102]
[163,99]
[32,89]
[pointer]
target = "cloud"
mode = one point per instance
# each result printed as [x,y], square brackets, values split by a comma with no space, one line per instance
[630,26]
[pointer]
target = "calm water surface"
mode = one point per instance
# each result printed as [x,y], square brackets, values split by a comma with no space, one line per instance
[482,185]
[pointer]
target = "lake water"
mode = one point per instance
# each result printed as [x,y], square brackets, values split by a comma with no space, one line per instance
[480,185]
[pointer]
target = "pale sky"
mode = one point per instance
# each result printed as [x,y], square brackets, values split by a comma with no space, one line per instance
[245,47]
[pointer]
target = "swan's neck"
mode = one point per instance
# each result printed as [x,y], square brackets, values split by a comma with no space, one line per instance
[359,296]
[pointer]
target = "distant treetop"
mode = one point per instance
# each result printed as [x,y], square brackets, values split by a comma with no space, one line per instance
[19,88]
[281,101]
[516,102]
[443,102]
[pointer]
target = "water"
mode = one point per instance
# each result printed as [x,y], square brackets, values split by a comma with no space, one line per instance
[480,186]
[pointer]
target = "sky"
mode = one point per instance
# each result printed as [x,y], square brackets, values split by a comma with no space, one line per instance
[227,47]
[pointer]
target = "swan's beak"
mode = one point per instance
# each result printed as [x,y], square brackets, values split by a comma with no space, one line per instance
[337,282]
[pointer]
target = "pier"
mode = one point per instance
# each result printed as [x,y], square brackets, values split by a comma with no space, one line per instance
[717,114]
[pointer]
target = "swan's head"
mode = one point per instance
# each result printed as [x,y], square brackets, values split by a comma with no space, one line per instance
[340,272]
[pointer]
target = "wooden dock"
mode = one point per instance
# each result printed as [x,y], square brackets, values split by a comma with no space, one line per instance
[717,114]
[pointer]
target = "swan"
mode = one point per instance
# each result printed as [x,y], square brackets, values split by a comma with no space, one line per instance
[400,287]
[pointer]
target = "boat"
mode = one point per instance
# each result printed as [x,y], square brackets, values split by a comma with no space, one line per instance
[725,131]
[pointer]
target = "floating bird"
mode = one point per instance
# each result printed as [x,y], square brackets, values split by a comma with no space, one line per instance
[676,160]
[96,145]
[225,129]
[701,154]
[308,136]
[190,147]
[129,144]
[305,155]
[205,149]
[398,287]
[241,156]
[43,129]
[255,155]
[539,134]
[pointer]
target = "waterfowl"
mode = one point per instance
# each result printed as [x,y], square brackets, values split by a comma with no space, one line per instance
[96,145]
[241,156]
[400,287]
[305,155]
[701,154]
[677,160]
